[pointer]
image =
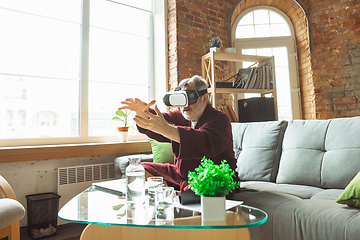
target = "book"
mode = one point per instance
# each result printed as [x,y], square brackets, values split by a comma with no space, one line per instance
[248,79]
[242,77]
[252,79]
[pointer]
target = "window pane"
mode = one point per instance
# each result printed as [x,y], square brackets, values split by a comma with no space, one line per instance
[278,30]
[143,4]
[44,107]
[262,30]
[119,18]
[111,60]
[264,52]
[276,18]
[118,62]
[245,32]
[266,24]
[103,107]
[261,16]
[281,56]
[248,19]
[38,46]
[283,93]
[60,9]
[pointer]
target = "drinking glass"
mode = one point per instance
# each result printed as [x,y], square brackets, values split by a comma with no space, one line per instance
[153,183]
[164,206]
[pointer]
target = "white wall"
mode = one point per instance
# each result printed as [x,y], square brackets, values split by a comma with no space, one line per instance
[35,177]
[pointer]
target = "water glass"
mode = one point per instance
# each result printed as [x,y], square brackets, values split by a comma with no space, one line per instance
[153,183]
[164,206]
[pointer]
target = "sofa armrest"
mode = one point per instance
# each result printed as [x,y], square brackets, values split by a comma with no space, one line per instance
[122,162]
[5,189]
[11,212]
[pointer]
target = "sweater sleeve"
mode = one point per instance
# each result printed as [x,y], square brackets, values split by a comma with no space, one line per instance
[172,117]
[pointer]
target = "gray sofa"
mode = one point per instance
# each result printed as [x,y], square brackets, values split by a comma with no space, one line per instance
[295,171]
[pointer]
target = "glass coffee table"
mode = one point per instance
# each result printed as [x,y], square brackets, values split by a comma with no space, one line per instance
[108,217]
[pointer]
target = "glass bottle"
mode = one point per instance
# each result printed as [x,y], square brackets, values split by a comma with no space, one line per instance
[135,182]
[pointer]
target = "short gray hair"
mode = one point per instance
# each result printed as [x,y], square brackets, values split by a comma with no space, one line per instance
[199,82]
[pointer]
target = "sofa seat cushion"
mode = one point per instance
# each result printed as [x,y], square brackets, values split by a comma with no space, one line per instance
[10,211]
[314,219]
[300,191]
[266,201]
[257,148]
[328,194]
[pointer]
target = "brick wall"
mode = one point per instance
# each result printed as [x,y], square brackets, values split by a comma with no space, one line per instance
[335,30]
[327,36]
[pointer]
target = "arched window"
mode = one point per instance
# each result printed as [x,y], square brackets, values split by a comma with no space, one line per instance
[21,118]
[10,118]
[268,32]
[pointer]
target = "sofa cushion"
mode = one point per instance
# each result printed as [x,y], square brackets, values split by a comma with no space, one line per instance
[257,147]
[162,152]
[300,191]
[313,219]
[342,157]
[303,150]
[266,201]
[351,195]
[325,152]
[328,194]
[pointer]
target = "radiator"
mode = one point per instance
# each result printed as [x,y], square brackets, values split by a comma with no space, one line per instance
[73,180]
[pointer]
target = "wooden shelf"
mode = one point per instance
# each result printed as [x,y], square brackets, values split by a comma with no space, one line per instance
[241,90]
[208,73]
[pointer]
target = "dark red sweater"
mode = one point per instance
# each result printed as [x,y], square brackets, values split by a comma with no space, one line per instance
[212,138]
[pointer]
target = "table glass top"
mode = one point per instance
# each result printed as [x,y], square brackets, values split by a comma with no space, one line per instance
[96,206]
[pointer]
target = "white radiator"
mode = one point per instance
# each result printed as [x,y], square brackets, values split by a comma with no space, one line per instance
[73,180]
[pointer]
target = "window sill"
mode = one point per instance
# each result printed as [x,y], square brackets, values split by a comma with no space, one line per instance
[45,152]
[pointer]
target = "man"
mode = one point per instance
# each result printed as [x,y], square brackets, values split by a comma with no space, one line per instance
[196,131]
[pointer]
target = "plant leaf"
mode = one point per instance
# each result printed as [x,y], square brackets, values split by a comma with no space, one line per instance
[120,113]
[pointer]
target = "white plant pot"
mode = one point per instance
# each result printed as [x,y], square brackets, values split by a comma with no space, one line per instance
[123,135]
[213,209]
[230,50]
[214,49]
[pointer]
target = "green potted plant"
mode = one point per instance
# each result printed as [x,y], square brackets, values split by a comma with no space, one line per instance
[124,119]
[212,182]
[215,44]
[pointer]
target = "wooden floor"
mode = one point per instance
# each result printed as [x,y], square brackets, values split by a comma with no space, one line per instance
[70,231]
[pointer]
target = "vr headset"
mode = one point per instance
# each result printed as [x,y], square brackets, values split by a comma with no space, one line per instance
[182,98]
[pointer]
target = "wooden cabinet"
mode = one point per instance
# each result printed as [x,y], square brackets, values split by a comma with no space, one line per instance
[208,62]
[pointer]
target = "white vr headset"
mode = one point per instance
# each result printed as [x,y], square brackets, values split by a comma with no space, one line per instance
[182,98]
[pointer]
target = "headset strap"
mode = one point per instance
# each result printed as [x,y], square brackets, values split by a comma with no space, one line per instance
[202,92]
[178,88]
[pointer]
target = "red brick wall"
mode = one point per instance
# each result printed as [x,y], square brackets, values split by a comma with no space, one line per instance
[329,62]
[335,31]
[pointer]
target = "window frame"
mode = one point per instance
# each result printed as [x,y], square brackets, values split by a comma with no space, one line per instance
[158,72]
[270,42]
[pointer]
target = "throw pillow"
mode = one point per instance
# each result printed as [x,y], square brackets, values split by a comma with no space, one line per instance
[162,152]
[351,194]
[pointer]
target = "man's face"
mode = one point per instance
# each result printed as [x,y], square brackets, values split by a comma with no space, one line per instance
[194,111]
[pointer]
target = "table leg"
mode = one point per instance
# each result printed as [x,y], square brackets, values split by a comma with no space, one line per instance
[97,232]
